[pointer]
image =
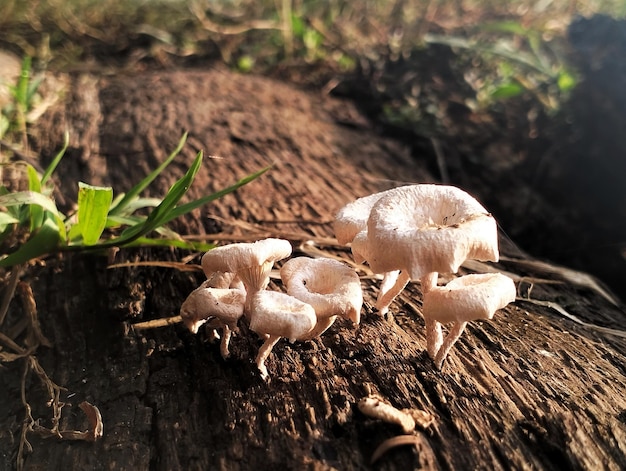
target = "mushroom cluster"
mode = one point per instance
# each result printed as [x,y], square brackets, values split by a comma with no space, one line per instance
[414,233]
[410,233]
[318,290]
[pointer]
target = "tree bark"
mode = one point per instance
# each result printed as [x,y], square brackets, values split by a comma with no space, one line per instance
[531,389]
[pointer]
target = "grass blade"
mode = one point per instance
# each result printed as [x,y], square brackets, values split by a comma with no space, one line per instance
[139,187]
[29,197]
[21,90]
[187,207]
[134,205]
[35,211]
[179,244]
[161,213]
[57,158]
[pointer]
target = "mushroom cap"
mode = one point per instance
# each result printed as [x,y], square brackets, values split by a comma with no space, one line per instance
[426,228]
[252,261]
[468,298]
[223,280]
[204,303]
[328,285]
[278,314]
[352,218]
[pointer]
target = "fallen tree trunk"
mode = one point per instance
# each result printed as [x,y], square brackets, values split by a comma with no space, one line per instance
[539,387]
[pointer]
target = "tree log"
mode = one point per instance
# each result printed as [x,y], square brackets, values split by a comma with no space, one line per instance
[541,386]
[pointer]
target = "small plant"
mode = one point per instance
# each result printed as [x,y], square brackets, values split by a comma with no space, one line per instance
[522,62]
[101,221]
[33,227]
[14,116]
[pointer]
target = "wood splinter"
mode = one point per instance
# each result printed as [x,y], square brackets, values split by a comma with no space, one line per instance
[376,407]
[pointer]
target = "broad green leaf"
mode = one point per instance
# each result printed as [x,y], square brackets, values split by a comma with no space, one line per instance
[57,158]
[36,211]
[74,235]
[47,239]
[94,203]
[187,207]
[134,191]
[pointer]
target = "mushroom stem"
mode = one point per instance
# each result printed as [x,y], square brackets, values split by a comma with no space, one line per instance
[323,323]
[392,285]
[434,337]
[453,335]
[225,341]
[264,352]
[429,281]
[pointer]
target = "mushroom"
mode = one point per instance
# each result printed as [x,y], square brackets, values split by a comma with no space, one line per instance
[352,218]
[275,315]
[224,305]
[251,262]
[413,233]
[350,221]
[332,288]
[224,280]
[464,299]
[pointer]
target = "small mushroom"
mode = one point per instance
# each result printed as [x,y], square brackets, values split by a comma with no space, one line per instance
[225,305]
[274,315]
[251,262]
[464,299]
[332,288]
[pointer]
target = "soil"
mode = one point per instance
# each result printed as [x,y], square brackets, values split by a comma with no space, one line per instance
[539,387]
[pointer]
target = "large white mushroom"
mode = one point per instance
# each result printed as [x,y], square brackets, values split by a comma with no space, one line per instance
[275,315]
[413,233]
[465,299]
[352,220]
[332,288]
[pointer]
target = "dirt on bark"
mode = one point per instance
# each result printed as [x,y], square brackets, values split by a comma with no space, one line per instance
[539,387]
